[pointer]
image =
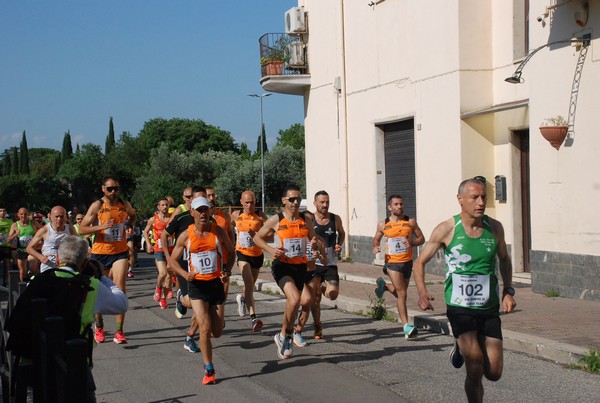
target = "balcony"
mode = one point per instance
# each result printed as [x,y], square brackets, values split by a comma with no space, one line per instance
[283,64]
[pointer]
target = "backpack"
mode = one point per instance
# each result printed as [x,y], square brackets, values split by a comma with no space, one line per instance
[65,298]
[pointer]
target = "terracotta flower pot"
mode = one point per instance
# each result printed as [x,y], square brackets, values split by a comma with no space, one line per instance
[554,134]
[274,68]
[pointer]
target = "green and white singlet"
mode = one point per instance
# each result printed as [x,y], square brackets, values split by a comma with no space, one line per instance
[471,280]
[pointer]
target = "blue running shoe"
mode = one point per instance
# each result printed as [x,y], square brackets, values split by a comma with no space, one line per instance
[284,346]
[180,310]
[190,345]
[456,358]
[410,331]
[298,340]
[380,287]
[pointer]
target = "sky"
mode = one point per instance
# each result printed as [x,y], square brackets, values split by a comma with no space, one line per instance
[69,65]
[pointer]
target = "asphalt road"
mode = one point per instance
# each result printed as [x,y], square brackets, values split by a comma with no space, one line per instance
[360,360]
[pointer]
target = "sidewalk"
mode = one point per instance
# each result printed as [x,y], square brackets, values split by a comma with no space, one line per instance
[558,329]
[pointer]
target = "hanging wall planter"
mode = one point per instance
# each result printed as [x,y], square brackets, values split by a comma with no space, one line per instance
[555,130]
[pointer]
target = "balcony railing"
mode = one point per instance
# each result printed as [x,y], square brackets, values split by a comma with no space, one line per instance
[281,54]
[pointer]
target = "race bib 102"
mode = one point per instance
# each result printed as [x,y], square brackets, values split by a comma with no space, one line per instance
[470,290]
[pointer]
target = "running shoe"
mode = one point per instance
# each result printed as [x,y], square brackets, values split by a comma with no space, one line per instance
[190,345]
[130,274]
[318,333]
[410,331]
[298,340]
[380,287]
[257,324]
[99,335]
[180,310]
[119,337]
[456,358]
[157,294]
[241,305]
[163,303]
[284,346]
[209,377]
[170,294]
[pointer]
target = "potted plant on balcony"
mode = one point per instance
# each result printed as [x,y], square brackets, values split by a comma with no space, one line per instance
[555,130]
[274,56]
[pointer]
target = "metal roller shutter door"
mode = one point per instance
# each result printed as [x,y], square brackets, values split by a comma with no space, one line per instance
[399,143]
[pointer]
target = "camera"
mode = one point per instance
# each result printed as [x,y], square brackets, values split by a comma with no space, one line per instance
[540,18]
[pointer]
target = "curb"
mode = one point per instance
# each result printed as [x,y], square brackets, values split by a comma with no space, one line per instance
[561,353]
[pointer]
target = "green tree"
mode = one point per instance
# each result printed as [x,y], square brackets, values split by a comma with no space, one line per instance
[43,161]
[67,147]
[283,166]
[6,163]
[245,152]
[127,161]
[184,135]
[37,193]
[110,139]
[184,169]
[84,173]
[77,149]
[24,152]
[293,137]
[14,162]
[11,189]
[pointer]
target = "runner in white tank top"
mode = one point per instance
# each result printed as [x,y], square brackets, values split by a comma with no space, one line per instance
[51,235]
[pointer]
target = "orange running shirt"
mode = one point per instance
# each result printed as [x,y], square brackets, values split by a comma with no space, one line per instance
[111,241]
[221,220]
[293,236]
[157,229]
[244,224]
[205,254]
[397,234]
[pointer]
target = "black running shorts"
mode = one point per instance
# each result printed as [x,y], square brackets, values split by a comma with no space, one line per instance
[484,322]
[256,262]
[211,291]
[297,272]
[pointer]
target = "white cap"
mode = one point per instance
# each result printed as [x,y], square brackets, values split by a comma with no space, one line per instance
[199,202]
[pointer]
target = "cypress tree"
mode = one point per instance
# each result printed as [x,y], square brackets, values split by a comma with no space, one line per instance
[67,147]
[24,162]
[110,139]
[263,136]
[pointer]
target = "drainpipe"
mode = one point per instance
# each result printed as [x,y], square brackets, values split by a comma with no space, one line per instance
[344,137]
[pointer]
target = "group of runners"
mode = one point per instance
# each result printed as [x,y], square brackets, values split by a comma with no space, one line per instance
[198,244]
[30,242]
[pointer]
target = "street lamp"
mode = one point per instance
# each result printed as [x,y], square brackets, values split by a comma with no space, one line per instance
[516,77]
[262,151]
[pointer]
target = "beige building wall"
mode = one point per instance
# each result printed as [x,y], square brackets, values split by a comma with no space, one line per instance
[443,64]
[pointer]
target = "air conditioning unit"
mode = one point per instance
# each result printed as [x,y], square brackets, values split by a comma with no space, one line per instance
[295,21]
[295,50]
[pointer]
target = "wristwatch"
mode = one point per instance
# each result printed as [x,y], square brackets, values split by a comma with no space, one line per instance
[508,290]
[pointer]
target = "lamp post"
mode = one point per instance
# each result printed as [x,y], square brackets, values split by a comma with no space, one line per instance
[262,151]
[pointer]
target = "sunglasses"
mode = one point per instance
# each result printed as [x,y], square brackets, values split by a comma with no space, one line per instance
[294,199]
[111,189]
[187,196]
